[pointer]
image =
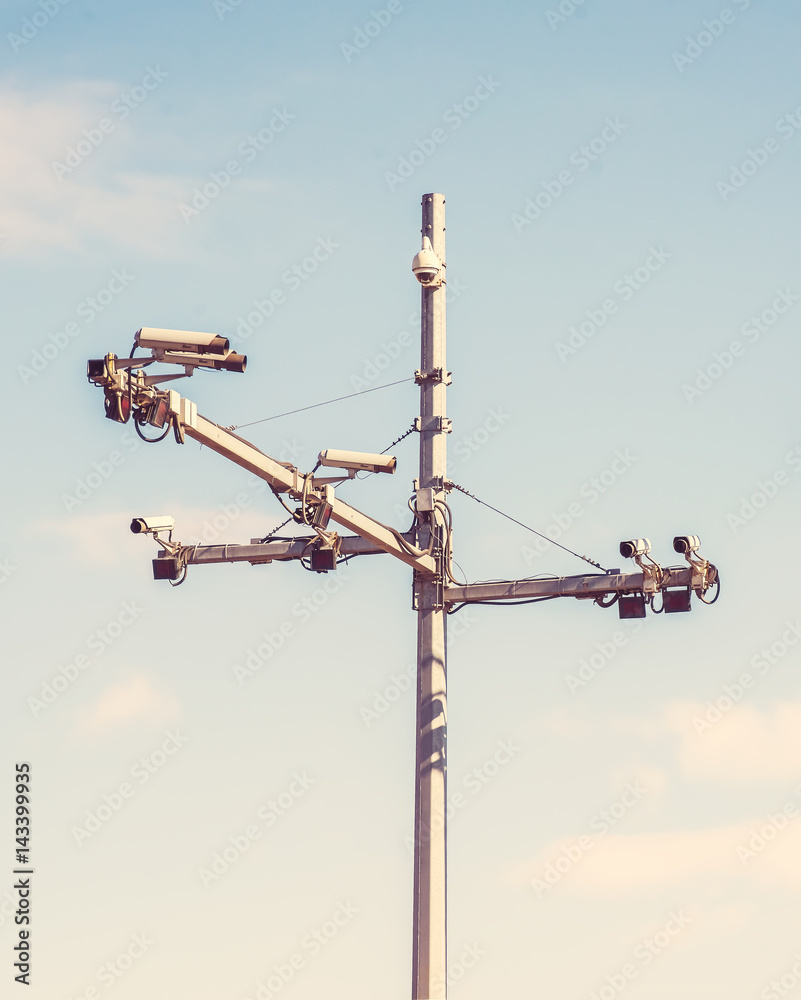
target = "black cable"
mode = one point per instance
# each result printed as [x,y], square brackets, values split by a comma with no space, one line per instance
[501,604]
[155,440]
[717,585]
[592,562]
[326,402]
[281,500]
[401,540]
[182,555]
[278,528]
[396,441]
[448,546]
[606,604]
[538,576]
[302,558]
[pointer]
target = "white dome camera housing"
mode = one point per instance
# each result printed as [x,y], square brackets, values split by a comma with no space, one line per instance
[427,266]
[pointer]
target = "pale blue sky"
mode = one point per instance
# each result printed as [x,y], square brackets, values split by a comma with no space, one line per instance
[158,101]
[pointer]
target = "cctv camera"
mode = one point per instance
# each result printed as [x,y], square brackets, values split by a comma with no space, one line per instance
[686,544]
[152,525]
[636,547]
[427,266]
[181,340]
[230,362]
[359,461]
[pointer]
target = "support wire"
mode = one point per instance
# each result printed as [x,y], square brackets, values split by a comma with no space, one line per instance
[326,402]
[592,562]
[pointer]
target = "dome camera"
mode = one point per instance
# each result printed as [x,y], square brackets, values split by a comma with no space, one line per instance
[427,266]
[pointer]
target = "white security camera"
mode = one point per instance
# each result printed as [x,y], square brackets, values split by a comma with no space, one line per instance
[686,544]
[229,363]
[636,547]
[427,266]
[152,525]
[181,340]
[358,461]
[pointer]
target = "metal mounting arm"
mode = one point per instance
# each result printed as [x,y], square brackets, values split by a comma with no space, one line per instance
[277,550]
[129,389]
[591,587]
[288,480]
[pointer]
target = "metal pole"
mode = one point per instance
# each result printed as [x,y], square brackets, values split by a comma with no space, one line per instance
[430,959]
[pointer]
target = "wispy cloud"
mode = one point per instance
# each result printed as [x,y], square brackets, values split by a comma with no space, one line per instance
[105,538]
[39,211]
[625,863]
[132,700]
[741,744]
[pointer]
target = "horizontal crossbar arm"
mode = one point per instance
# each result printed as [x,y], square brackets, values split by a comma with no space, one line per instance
[596,585]
[261,552]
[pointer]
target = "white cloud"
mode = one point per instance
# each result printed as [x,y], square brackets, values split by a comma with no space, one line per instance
[106,538]
[733,742]
[741,744]
[93,538]
[134,699]
[40,211]
[766,850]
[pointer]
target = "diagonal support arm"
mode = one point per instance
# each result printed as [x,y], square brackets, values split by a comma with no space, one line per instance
[287,479]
